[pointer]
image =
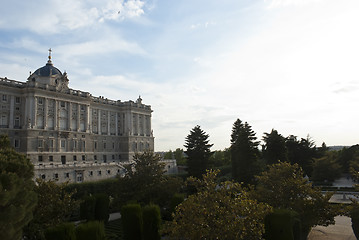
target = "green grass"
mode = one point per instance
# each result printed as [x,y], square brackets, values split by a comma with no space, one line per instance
[113,230]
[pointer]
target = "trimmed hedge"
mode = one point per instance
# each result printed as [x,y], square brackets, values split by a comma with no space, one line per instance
[93,230]
[102,211]
[87,208]
[282,224]
[151,222]
[131,215]
[64,231]
[354,214]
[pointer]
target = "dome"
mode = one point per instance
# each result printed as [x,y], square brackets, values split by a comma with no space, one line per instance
[48,70]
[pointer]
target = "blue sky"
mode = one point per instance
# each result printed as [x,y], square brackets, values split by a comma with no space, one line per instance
[291,65]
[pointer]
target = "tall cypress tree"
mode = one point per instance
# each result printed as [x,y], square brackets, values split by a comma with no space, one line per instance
[244,152]
[198,151]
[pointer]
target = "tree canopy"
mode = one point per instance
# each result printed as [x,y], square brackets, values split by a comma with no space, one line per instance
[274,147]
[198,151]
[17,197]
[218,211]
[283,186]
[244,152]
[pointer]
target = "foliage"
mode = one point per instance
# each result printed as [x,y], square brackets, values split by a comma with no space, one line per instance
[326,168]
[347,156]
[220,158]
[131,215]
[302,152]
[283,186]
[87,208]
[274,148]
[354,214]
[145,183]
[198,151]
[282,224]
[151,216]
[179,156]
[55,206]
[64,231]
[93,230]
[17,197]
[218,211]
[82,190]
[244,152]
[168,155]
[102,212]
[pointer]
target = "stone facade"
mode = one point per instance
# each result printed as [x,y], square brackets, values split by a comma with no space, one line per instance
[70,135]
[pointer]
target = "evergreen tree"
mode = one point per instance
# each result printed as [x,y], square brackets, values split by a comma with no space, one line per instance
[198,151]
[17,197]
[274,148]
[244,152]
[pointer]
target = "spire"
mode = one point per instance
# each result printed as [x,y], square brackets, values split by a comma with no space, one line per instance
[49,61]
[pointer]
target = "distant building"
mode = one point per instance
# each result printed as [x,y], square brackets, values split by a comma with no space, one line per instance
[70,135]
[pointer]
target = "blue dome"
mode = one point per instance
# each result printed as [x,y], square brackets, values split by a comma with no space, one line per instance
[47,69]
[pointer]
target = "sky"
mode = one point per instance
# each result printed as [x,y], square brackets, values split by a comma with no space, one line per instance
[289,65]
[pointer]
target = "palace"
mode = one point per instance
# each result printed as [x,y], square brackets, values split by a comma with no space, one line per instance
[70,135]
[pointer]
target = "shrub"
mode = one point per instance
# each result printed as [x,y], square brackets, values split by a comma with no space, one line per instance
[151,222]
[102,207]
[64,231]
[93,230]
[282,224]
[354,214]
[132,221]
[87,208]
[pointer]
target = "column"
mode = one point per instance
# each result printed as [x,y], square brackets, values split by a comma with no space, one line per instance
[34,113]
[99,121]
[56,115]
[78,116]
[138,124]
[116,123]
[46,102]
[108,123]
[88,120]
[11,117]
[69,119]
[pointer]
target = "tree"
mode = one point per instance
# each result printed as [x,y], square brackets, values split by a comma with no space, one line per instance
[218,211]
[145,182]
[198,151]
[178,154]
[55,206]
[244,152]
[17,197]
[302,152]
[283,186]
[274,147]
[326,168]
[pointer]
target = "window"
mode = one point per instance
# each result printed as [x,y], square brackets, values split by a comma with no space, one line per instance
[17,100]
[56,175]
[104,158]
[95,157]
[51,143]
[63,143]
[99,172]
[90,173]
[40,101]
[16,143]
[113,145]
[40,158]
[63,159]
[83,157]
[17,122]
[108,171]
[43,176]
[113,157]
[67,175]
[75,158]
[4,98]
[51,158]
[62,104]
[104,145]
[40,143]
[82,107]
[95,145]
